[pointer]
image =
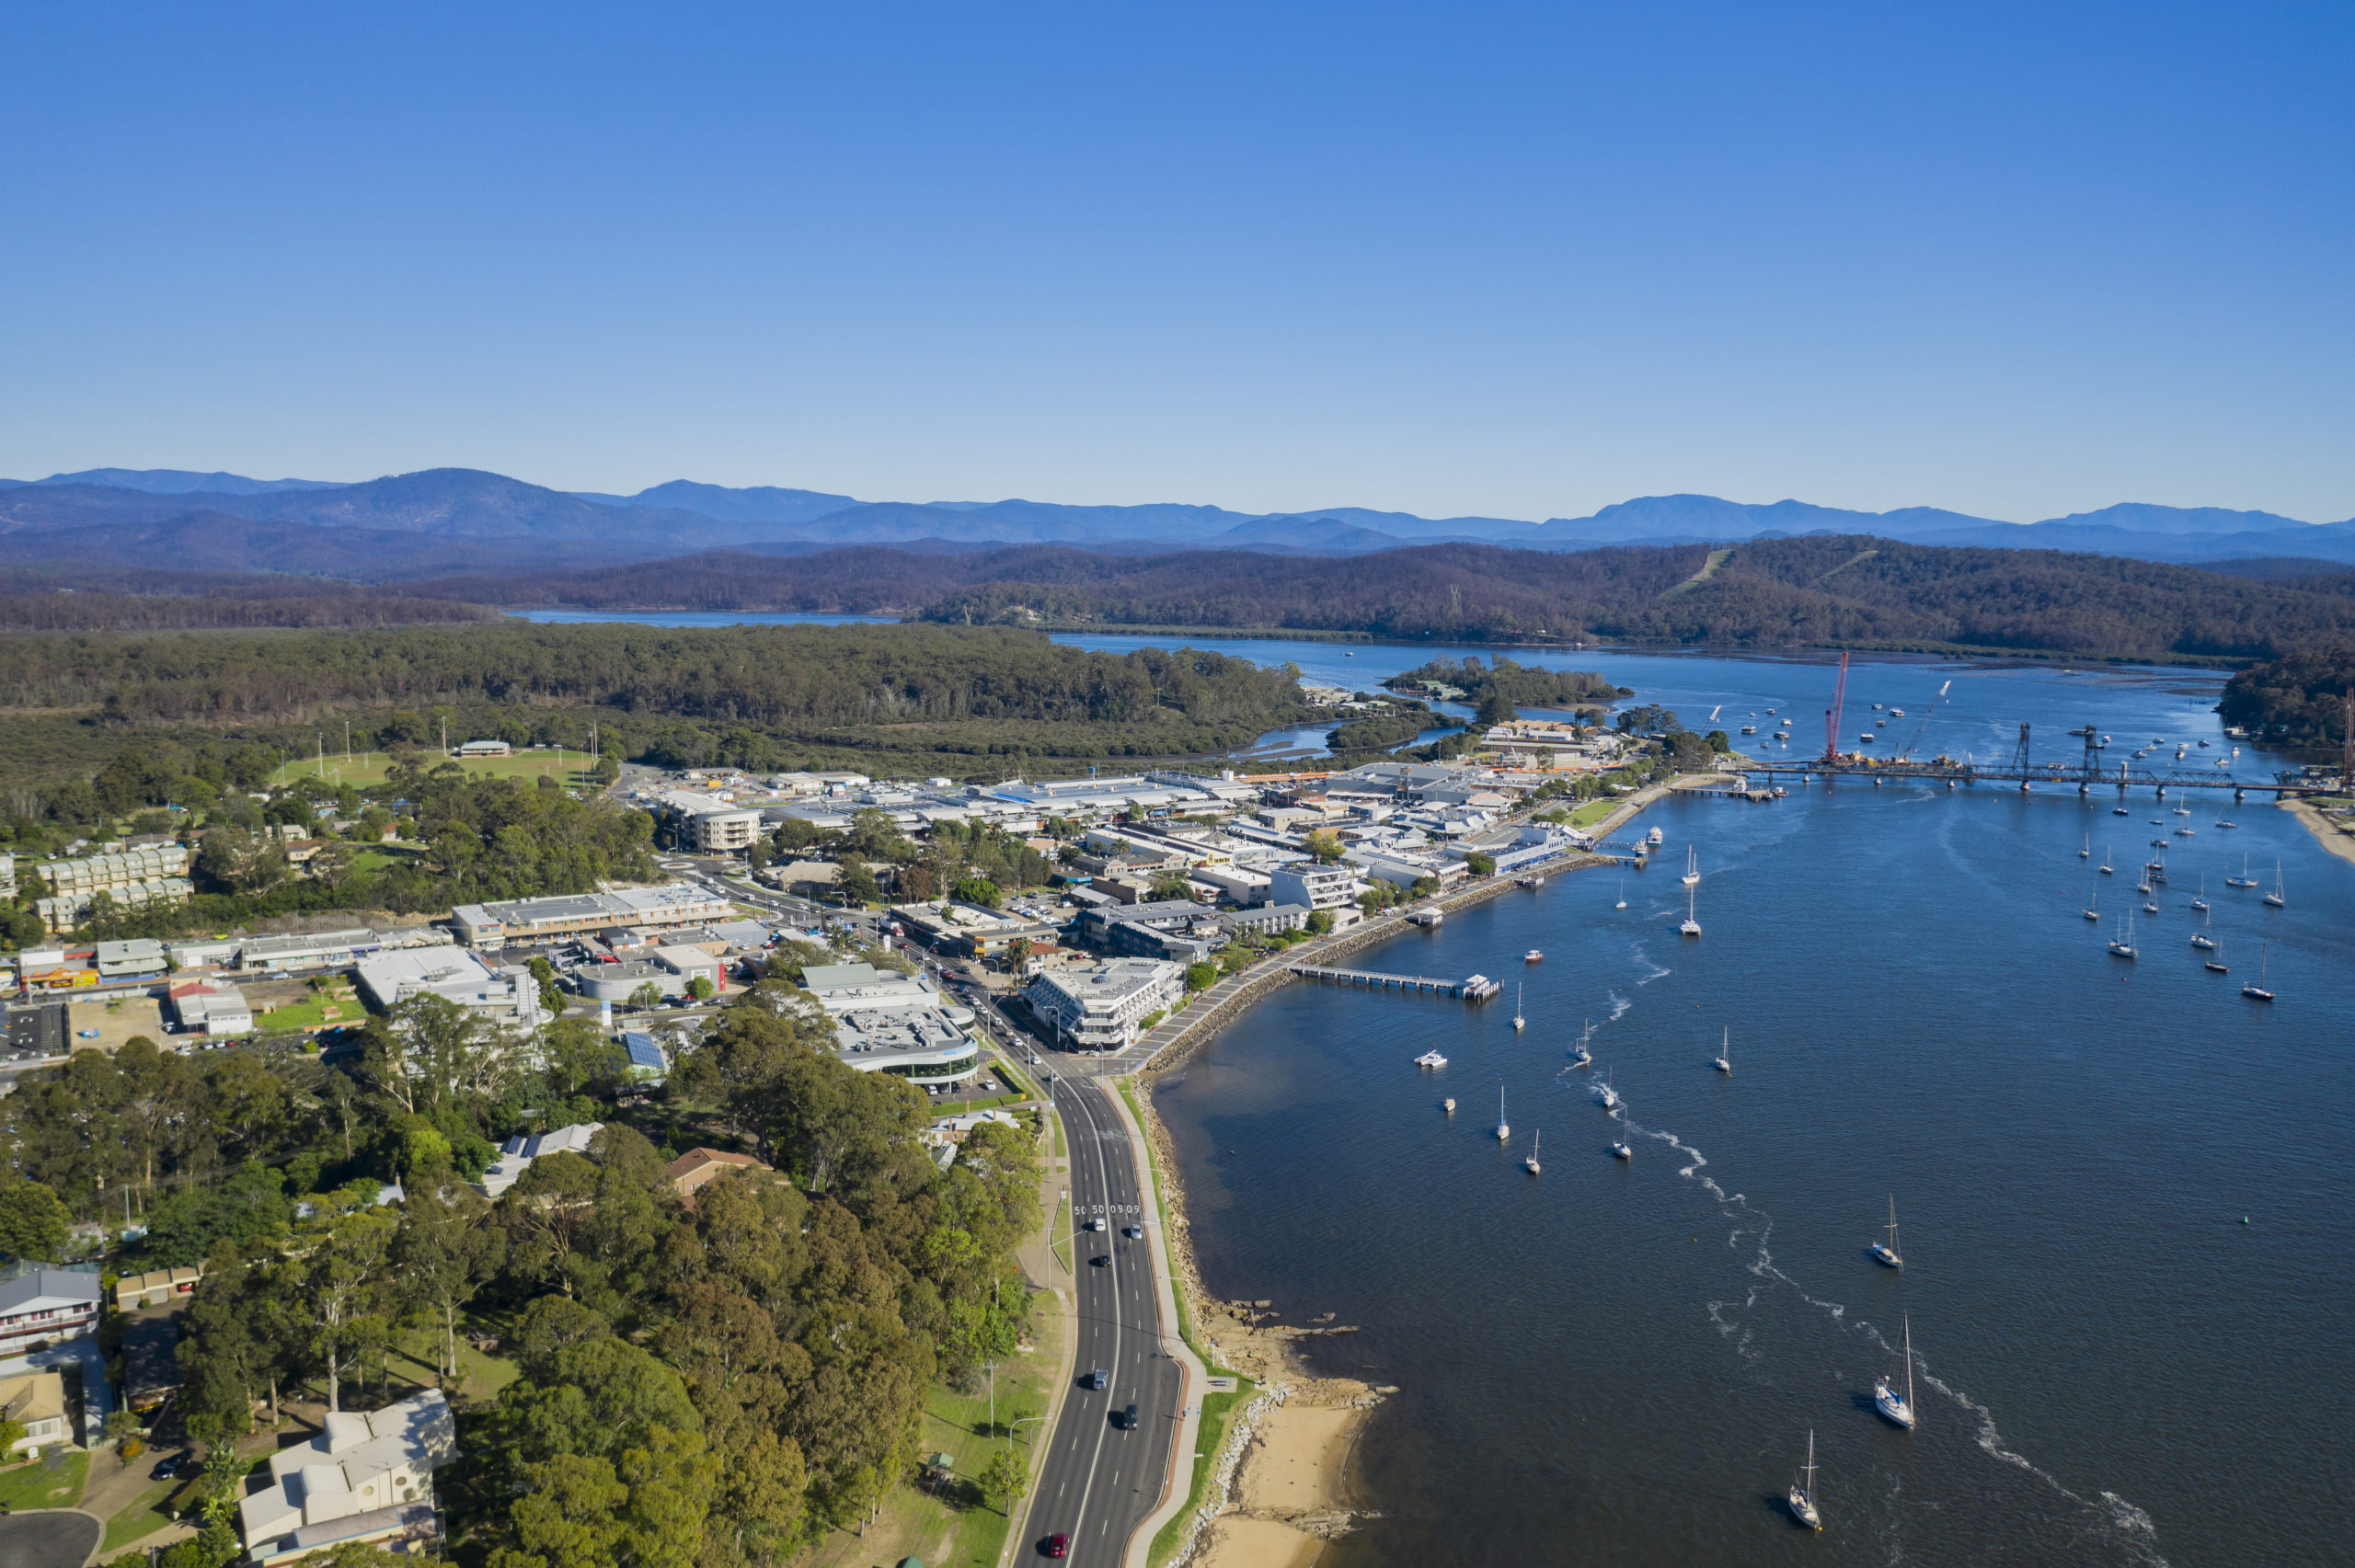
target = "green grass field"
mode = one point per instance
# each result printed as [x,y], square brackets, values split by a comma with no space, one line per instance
[35,1486]
[368,768]
[142,1516]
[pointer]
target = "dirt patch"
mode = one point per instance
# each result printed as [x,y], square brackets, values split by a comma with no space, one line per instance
[116,1020]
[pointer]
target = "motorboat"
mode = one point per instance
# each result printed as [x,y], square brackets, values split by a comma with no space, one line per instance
[1430,1058]
[2119,811]
[1532,956]
[1802,1497]
[1896,1407]
[1886,1253]
[1653,837]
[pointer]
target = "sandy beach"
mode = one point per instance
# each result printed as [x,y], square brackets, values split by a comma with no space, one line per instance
[2323,827]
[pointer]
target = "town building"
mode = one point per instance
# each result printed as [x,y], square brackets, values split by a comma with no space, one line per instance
[367,1479]
[486,749]
[1314,887]
[887,1022]
[1269,919]
[515,1156]
[211,1007]
[41,1305]
[136,959]
[38,1400]
[1102,1007]
[543,920]
[707,823]
[699,1167]
[508,996]
[645,1062]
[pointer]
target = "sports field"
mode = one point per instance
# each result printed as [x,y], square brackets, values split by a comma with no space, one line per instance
[364,768]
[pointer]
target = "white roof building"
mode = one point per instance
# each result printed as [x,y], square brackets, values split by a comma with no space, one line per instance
[358,1465]
[505,996]
[517,1153]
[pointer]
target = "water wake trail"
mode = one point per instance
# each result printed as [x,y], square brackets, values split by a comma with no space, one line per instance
[2125,1523]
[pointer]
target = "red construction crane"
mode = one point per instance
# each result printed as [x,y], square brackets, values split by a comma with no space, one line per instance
[1831,714]
[2346,745]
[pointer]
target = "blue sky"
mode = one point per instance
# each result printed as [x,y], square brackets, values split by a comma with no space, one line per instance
[1517,261]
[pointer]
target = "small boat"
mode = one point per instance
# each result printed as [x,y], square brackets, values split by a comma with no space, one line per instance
[1725,1055]
[1519,1023]
[2203,745]
[1532,956]
[1530,1164]
[2125,948]
[2091,912]
[1582,1057]
[2183,810]
[2200,902]
[1897,712]
[1448,1105]
[2150,909]
[1619,1150]
[2200,938]
[2222,823]
[1653,837]
[2087,852]
[2243,879]
[1802,1499]
[1897,1408]
[2107,869]
[1430,1058]
[2274,900]
[1692,926]
[1691,866]
[2186,832]
[1504,1128]
[2255,991]
[1886,1253]
[1750,729]
[2119,811]
[1623,895]
[2216,963]
[1610,1095]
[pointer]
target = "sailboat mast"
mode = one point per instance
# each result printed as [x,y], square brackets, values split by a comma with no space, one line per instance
[1910,1405]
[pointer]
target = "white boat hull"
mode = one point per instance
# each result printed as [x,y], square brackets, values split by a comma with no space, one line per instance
[1892,1406]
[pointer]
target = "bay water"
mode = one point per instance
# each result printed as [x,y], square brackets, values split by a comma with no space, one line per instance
[1620,1363]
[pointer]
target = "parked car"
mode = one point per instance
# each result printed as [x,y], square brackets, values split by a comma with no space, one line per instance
[169,1467]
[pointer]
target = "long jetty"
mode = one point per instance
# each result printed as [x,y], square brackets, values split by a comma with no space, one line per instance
[1471,988]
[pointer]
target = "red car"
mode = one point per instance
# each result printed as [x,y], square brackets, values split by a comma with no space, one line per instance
[1059,1545]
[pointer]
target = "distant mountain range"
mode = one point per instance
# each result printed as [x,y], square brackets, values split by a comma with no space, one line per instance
[446,521]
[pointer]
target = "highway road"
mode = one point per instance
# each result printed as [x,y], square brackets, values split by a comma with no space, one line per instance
[1099,1480]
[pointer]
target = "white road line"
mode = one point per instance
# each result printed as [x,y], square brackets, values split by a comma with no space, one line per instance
[1104,1176]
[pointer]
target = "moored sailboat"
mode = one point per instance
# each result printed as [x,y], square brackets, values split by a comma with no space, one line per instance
[1885,1253]
[1725,1055]
[1802,1499]
[1895,1407]
[1530,1164]
[2255,991]
[2274,900]
[1691,866]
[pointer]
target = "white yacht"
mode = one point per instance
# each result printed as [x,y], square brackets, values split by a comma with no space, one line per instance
[2123,947]
[2087,852]
[1653,837]
[1725,1055]
[1610,1095]
[1623,895]
[1519,1023]
[1580,1054]
[2200,903]
[2255,991]
[1691,866]
[1430,1058]
[1504,1128]
[1803,1507]
[2092,912]
[2200,938]
[1619,1150]
[1530,1164]
[1885,1251]
[2243,879]
[2274,900]
[1897,1407]
[1692,926]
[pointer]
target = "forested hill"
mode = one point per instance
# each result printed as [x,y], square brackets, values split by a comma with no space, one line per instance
[1775,592]
[2302,697]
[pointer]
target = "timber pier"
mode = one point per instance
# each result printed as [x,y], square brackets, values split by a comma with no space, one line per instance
[1471,988]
